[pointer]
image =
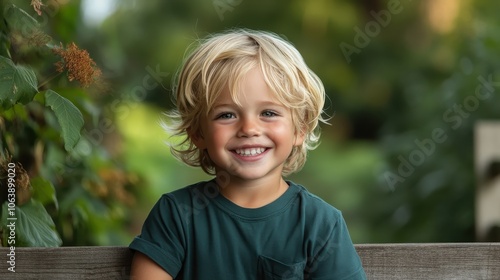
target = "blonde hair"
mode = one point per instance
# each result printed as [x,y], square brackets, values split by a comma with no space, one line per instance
[222,60]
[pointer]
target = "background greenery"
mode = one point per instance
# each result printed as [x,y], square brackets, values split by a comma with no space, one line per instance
[413,70]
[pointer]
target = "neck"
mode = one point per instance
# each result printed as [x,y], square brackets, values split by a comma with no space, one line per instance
[251,193]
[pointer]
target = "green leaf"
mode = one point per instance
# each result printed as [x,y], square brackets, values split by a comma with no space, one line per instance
[17,111]
[4,45]
[20,21]
[17,83]
[69,117]
[44,191]
[33,226]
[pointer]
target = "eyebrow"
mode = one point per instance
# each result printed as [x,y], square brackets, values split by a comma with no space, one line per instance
[273,103]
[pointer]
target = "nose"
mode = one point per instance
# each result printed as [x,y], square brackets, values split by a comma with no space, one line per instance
[249,127]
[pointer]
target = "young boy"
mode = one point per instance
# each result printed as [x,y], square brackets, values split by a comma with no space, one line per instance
[248,108]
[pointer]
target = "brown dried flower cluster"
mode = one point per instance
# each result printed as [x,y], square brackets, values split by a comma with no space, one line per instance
[22,181]
[78,63]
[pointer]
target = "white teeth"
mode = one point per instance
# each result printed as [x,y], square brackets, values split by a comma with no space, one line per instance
[250,152]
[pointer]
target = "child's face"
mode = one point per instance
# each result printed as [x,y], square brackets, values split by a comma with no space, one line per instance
[250,141]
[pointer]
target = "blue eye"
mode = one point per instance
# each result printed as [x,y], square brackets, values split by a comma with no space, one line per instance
[269,113]
[225,116]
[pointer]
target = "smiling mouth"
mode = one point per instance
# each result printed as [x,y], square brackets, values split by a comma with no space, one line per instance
[250,151]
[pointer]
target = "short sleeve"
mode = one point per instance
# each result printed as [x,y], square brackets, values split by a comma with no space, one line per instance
[337,258]
[163,236]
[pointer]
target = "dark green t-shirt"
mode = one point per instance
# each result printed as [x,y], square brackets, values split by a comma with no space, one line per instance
[196,233]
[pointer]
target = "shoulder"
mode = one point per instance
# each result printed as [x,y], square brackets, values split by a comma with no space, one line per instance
[321,218]
[314,205]
[186,194]
[186,201]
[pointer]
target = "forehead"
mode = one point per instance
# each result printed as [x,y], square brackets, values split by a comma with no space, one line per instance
[250,87]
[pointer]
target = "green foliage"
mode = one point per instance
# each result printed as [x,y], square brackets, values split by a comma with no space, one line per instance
[34,226]
[45,192]
[17,84]
[395,89]
[19,20]
[68,190]
[405,81]
[68,116]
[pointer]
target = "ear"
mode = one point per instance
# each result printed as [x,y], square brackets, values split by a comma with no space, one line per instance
[197,139]
[300,136]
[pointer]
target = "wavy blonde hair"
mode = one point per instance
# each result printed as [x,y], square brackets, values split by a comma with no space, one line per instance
[222,60]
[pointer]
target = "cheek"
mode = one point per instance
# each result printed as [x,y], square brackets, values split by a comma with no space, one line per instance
[282,130]
[219,135]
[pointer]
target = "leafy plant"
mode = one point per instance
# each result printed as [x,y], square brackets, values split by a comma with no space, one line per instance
[67,187]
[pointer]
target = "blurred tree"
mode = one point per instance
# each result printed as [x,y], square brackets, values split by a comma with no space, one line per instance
[402,80]
[396,98]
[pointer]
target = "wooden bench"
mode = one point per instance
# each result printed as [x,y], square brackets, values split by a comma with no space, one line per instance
[381,261]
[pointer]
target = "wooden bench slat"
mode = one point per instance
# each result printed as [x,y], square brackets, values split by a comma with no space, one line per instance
[381,261]
[431,261]
[103,263]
